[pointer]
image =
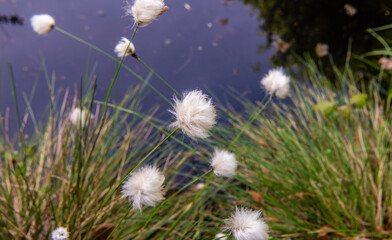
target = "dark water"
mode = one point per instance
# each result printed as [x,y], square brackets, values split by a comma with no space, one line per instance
[342,25]
[214,44]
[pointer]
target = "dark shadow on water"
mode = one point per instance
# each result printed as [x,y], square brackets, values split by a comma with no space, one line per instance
[299,25]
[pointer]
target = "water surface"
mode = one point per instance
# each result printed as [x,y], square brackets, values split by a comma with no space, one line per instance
[195,44]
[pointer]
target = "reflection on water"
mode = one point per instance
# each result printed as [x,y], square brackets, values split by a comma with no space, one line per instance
[318,27]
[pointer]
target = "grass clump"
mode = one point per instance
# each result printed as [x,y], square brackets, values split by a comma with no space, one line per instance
[320,166]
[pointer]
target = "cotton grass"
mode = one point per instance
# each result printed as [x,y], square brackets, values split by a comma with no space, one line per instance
[224,163]
[195,114]
[276,83]
[59,234]
[145,11]
[42,23]
[78,117]
[122,46]
[246,224]
[144,187]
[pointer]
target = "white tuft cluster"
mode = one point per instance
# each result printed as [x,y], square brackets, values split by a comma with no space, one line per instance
[42,23]
[246,224]
[224,163]
[195,114]
[144,187]
[78,117]
[145,11]
[122,46]
[276,83]
[60,234]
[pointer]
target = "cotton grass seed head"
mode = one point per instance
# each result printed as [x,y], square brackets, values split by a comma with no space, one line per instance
[78,117]
[60,234]
[122,46]
[246,224]
[144,187]
[145,11]
[42,23]
[276,83]
[223,163]
[195,114]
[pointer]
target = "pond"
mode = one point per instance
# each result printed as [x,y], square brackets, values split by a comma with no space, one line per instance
[195,44]
[207,44]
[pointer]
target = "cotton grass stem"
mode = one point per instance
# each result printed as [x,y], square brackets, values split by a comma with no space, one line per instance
[160,78]
[108,94]
[251,119]
[188,208]
[119,222]
[146,118]
[112,58]
[124,178]
[20,132]
[172,196]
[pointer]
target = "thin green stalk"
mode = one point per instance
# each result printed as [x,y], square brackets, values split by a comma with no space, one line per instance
[156,74]
[119,222]
[251,119]
[187,209]
[20,132]
[114,59]
[30,111]
[140,162]
[106,99]
[107,96]
[145,118]
[124,178]
[172,196]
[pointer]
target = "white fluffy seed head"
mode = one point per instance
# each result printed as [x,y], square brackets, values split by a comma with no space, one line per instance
[224,163]
[246,224]
[121,47]
[60,234]
[78,117]
[276,83]
[145,11]
[42,23]
[195,114]
[144,187]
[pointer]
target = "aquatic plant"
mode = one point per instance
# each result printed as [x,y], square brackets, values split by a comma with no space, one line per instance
[42,23]
[122,48]
[223,163]
[276,83]
[195,114]
[317,167]
[59,234]
[144,187]
[78,117]
[246,224]
[145,11]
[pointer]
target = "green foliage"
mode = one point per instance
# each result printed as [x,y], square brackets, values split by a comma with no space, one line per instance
[315,171]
